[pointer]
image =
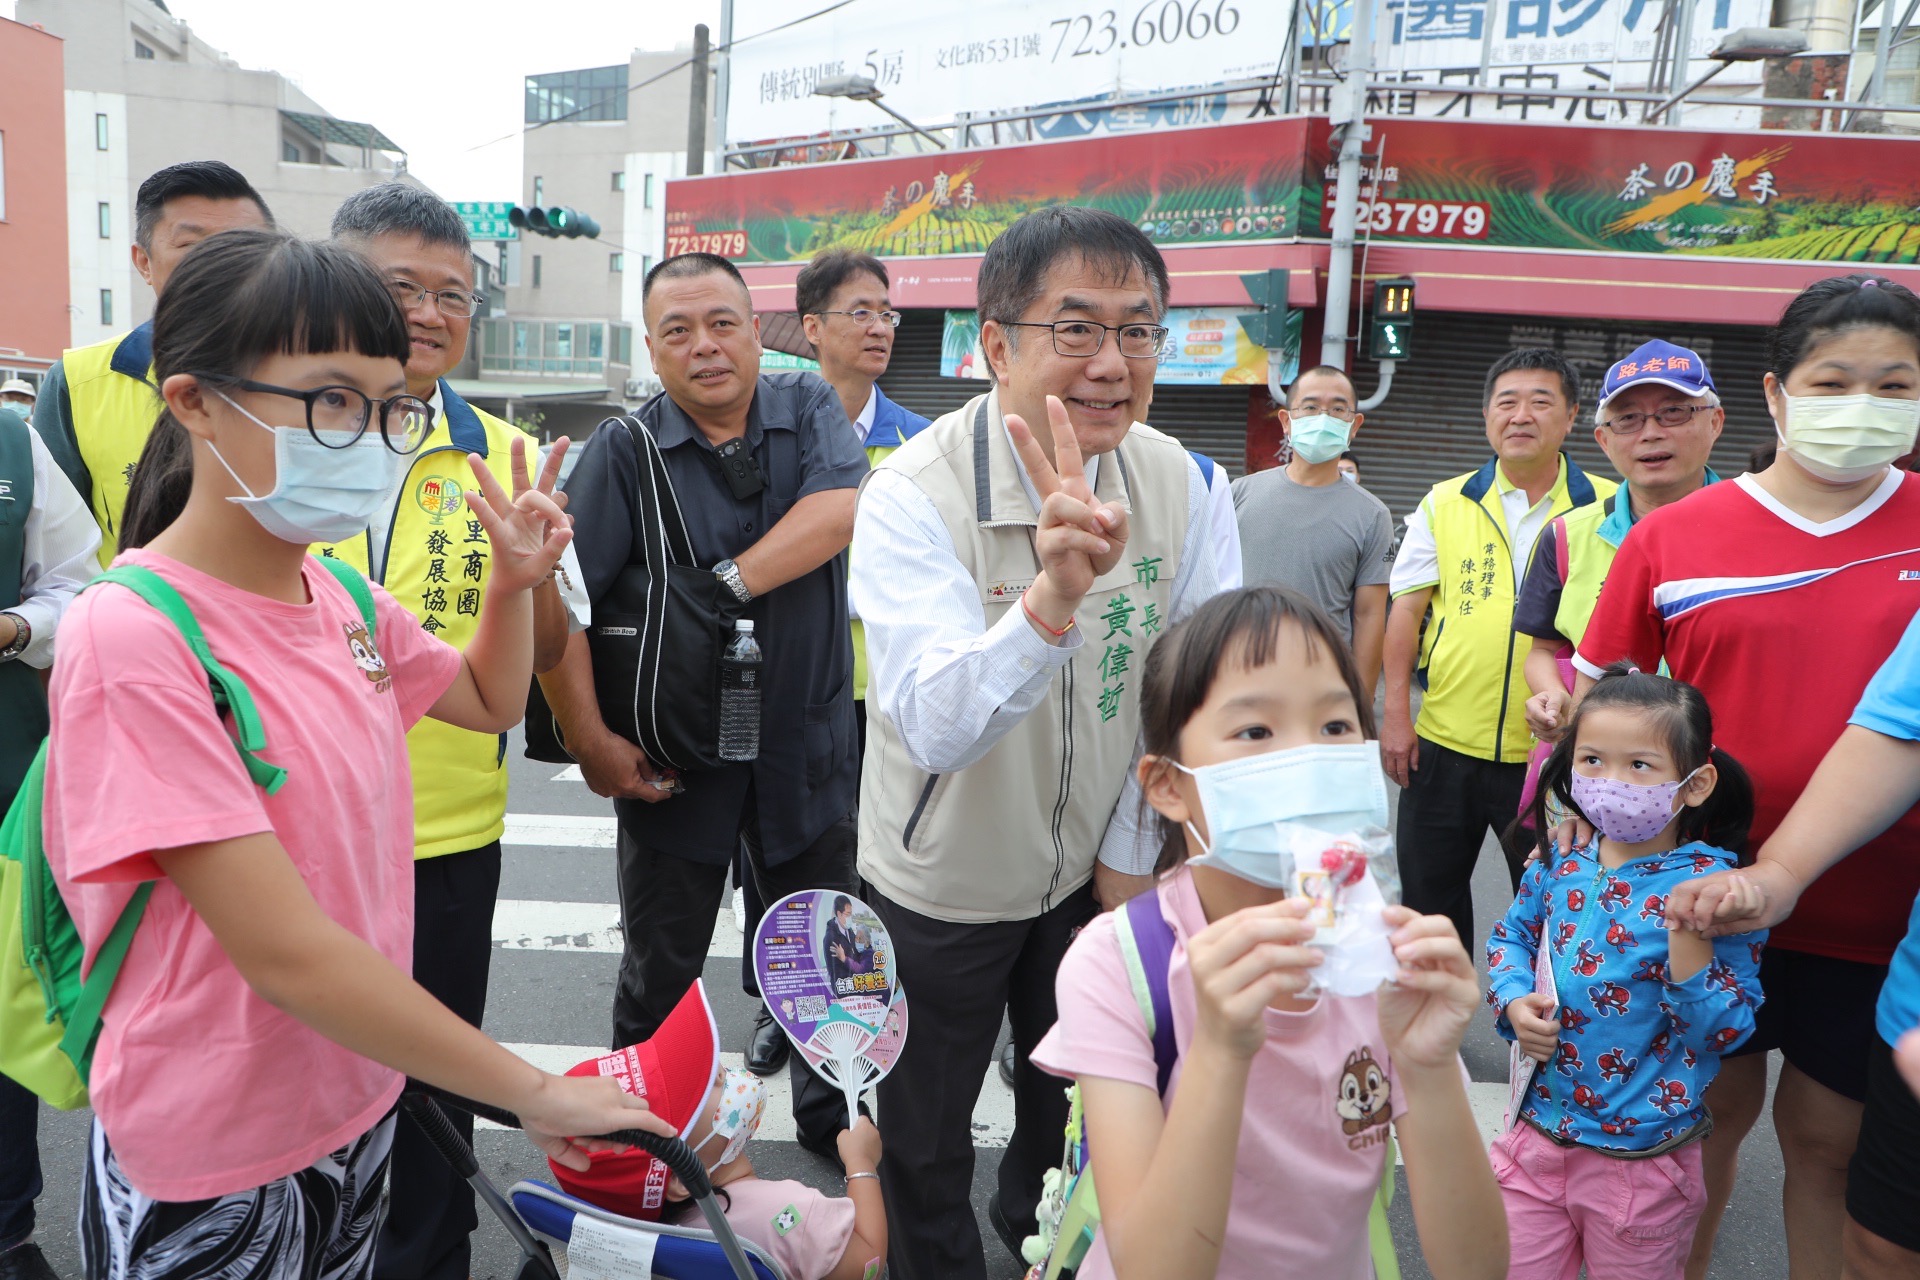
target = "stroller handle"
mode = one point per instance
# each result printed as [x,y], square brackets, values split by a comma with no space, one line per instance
[670,1151]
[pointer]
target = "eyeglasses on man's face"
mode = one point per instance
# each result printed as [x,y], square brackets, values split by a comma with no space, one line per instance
[863,317]
[1667,415]
[338,416]
[1084,338]
[451,302]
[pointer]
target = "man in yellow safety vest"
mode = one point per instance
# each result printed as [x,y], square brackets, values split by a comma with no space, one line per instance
[1464,552]
[433,557]
[98,404]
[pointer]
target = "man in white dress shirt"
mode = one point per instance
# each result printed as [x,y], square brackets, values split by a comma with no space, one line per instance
[48,543]
[1013,562]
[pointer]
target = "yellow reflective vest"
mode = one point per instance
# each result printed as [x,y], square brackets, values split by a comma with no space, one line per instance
[1471,663]
[436,562]
[115,404]
[1586,539]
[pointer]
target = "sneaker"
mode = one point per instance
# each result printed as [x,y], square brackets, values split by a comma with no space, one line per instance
[740,912]
[1007,1058]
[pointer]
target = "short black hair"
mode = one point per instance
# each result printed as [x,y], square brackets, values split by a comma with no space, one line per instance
[400,208]
[208,179]
[1827,307]
[1545,359]
[1016,263]
[1346,455]
[684,265]
[820,279]
[1333,370]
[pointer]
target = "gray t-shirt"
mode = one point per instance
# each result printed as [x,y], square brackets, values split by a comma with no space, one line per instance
[1323,541]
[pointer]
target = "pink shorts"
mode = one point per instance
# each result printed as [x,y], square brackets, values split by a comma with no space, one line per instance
[1624,1219]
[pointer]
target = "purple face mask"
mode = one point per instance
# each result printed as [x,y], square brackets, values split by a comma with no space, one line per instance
[1627,812]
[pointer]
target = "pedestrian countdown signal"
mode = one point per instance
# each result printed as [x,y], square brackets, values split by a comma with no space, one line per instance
[1390,336]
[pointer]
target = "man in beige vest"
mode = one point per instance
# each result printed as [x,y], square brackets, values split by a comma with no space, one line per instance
[1013,563]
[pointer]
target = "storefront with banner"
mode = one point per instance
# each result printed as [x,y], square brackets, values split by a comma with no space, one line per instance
[1584,238]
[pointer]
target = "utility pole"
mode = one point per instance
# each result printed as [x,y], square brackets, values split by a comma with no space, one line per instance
[723,81]
[1348,115]
[697,105]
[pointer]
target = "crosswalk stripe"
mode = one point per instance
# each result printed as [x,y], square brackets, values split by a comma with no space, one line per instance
[570,774]
[560,830]
[992,1115]
[585,927]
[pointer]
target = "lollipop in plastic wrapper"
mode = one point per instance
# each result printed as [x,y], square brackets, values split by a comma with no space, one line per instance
[1350,880]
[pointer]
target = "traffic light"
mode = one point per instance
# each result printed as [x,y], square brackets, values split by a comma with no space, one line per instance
[1268,291]
[553,221]
[1390,336]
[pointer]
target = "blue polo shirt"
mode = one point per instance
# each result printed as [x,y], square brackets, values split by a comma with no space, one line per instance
[1891,705]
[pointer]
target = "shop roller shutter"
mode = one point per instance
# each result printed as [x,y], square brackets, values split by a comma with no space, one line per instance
[1430,426]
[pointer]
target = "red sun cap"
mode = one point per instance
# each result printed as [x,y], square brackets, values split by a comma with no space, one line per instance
[674,1072]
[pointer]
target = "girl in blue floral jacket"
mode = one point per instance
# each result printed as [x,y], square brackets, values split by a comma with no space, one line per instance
[1602,1165]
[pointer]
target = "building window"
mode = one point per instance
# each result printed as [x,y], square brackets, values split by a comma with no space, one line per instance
[616,262]
[3,175]
[106,306]
[536,271]
[646,264]
[646,192]
[539,190]
[99,131]
[106,220]
[619,179]
[595,93]
[289,152]
[145,54]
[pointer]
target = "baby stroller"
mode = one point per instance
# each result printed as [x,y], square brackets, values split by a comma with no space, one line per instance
[541,1219]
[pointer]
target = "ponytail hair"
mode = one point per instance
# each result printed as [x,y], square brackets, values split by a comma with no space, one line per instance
[1680,711]
[236,299]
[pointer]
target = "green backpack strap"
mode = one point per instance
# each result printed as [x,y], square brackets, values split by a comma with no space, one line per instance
[349,577]
[83,1024]
[229,693]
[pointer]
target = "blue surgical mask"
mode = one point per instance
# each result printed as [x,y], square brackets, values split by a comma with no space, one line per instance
[1319,437]
[1252,804]
[319,494]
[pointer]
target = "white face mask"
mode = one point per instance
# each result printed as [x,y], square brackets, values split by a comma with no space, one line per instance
[319,494]
[1252,803]
[1844,439]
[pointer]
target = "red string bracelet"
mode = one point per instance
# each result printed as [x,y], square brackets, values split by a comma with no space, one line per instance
[1040,622]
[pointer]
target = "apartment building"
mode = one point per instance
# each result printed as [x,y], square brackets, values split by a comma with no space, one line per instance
[142,91]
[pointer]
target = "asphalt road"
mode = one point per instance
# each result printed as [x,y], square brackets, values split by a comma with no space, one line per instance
[556,954]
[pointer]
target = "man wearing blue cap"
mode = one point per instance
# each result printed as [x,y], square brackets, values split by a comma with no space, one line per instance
[1657,421]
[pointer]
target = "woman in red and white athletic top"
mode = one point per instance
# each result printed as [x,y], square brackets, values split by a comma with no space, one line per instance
[1779,595]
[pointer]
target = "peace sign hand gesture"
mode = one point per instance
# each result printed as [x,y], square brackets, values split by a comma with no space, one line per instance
[1079,539]
[528,530]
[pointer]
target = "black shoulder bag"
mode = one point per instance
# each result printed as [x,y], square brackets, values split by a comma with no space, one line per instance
[656,637]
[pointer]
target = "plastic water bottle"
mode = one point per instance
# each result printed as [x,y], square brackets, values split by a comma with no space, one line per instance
[740,695]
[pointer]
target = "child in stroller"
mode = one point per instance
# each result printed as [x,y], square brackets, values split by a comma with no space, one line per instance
[812,1236]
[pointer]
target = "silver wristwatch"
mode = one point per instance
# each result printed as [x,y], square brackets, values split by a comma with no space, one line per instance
[729,572]
[20,640]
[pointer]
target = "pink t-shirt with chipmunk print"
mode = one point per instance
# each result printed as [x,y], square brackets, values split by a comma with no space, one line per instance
[1320,1098]
[203,1087]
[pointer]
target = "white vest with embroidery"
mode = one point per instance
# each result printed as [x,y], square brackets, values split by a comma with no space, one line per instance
[1011,835]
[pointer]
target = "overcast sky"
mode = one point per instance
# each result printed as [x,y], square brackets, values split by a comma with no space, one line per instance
[443,80]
